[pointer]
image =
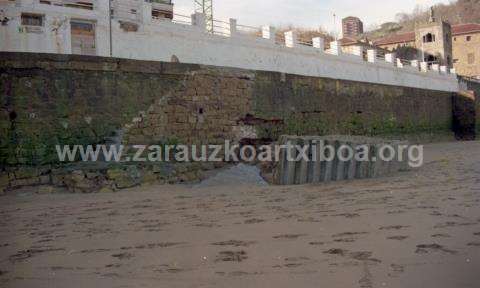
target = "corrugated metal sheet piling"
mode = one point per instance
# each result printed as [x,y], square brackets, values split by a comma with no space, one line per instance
[321,166]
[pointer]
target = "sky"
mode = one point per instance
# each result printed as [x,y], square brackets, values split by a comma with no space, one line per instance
[307,13]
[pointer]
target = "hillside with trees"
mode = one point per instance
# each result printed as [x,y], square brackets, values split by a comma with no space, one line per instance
[461,11]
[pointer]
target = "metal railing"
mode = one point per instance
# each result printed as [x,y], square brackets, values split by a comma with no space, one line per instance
[168,2]
[304,42]
[86,4]
[279,38]
[182,19]
[221,28]
[249,30]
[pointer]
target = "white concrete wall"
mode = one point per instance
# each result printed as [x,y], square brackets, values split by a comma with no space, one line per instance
[160,40]
[192,45]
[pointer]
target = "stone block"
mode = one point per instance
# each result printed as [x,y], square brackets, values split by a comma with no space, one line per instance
[45,179]
[46,190]
[25,182]
[149,178]
[26,172]
[115,173]
[126,182]
[106,190]
[4,180]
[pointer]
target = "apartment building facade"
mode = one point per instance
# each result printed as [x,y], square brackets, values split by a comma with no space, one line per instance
[352,27]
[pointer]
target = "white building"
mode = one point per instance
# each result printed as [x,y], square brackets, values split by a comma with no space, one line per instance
[73,27]
[144,30]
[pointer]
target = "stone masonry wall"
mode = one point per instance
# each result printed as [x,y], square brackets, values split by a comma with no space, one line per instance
[474,86]
[464,116]
[319,106]
[203,108]
[58,99]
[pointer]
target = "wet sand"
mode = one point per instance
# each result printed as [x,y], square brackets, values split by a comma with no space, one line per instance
[417,229]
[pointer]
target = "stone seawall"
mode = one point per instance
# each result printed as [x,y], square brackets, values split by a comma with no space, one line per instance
[475,87]
[59,99]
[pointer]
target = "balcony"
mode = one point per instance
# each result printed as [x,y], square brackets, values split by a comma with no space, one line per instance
[84,4]
[168,2]
[162,9]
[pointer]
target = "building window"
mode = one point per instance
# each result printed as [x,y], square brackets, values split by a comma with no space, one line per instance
[469,38]
[32,19]
[429,38]
[471,58]
[157,14]
[430,59]
[86,27]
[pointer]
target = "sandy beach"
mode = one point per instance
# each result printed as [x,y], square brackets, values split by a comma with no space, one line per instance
[419,228]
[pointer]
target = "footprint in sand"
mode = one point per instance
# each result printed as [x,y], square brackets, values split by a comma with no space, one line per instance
[243,273]
[399,238]
[293,262]
[238,273]
[309,220]
[345,240]
[349,234]
[440,235]
[289,236]
[347,215]
[452,224]
[394,227]
[167,268]
[254,221]
[336,251]
[344,236]
[158,245]
[111,275]
[428,248]
[360,256]
[396,212]
[231,256]
[366,280]
[123,256]
[396,270]
[234,243]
